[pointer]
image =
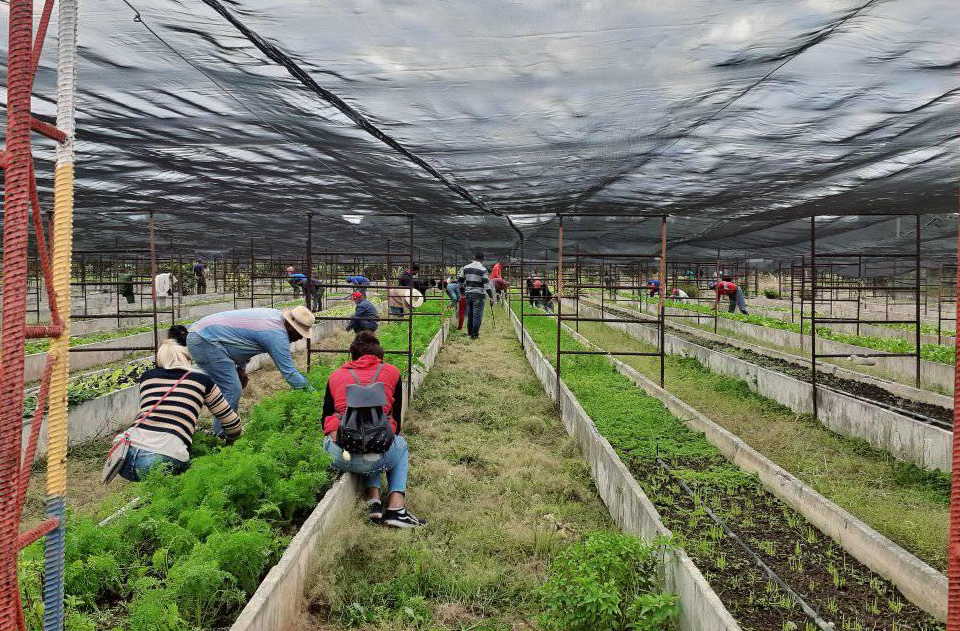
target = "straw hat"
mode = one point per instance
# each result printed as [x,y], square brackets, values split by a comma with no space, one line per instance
[300,318]
[416,298]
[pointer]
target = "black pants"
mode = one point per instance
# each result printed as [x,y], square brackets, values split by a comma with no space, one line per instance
[201,284]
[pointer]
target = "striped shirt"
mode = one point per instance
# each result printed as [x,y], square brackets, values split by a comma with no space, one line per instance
[474,279]
[169,429]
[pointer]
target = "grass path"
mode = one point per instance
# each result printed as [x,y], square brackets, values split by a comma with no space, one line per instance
[503,487]
[907,505]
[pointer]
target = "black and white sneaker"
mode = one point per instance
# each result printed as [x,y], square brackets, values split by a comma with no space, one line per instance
[375,510]
[402,518]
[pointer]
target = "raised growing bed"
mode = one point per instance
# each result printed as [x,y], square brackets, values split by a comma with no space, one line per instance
[700,607]
[917,580]
[904,437]
[641,430]
[934,374]
[172,564]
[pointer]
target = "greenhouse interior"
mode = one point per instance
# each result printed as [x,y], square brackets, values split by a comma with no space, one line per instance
[479,316]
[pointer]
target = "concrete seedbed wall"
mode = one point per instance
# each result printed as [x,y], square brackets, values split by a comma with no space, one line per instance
[903,437]
[873,330]
[700,607]
[932,374]
[277,603]
[921,584]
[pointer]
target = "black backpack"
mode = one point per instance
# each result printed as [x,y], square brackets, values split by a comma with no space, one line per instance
[364,428]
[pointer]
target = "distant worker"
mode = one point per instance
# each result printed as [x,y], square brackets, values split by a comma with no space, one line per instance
[653,286]
[411,278]
[399,299]
[545,299]
[362,409]
[164,285]
[126,287]
[221,344]
[295,279]
[313,291]
[535,285]
[610,284]
[474,279]
[365,316]
[678,294]
[359,281]
[171,399]
[732,291]
[453,291]
[200,275]
[501,287]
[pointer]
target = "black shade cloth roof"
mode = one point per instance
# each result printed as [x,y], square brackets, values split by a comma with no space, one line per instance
[233,118]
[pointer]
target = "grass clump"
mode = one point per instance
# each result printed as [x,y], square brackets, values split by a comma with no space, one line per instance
[608,582]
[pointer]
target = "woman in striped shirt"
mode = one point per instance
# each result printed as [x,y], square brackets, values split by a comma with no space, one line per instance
[163,435]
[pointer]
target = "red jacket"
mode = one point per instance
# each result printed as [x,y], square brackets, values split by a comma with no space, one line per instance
[335,400]
[725,288]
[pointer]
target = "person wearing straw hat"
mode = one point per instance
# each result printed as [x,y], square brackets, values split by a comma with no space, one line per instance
[404,297]
[221,344]
[172,396]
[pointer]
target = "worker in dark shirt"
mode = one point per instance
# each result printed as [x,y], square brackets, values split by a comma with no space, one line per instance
[365,316]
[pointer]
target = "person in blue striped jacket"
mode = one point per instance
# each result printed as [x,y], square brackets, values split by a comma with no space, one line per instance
[474,281]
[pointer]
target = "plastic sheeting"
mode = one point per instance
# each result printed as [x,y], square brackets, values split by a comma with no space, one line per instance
[233,118]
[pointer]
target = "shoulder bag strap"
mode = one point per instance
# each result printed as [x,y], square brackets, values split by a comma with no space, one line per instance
[161,399]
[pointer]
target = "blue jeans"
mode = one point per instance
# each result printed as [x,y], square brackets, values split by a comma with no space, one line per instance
[453,291]
[474,315]
[396,311]
[213,359]
[396,462]
[139,461]
[738,302]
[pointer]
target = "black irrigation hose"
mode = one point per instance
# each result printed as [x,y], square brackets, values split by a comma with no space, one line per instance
[807,609]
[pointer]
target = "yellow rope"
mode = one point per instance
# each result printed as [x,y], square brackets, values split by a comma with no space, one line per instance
[57,426]
[60,347]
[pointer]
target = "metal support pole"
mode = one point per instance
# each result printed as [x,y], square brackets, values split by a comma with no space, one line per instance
[663,291]
[559,300]
[409,325]
[153,280]
[813,311]
[917,296]
[252,273]
[309,261]
[716,301]
[524,290]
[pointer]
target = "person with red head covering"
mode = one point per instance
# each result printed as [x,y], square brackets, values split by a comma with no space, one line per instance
[365,316]
[726,287]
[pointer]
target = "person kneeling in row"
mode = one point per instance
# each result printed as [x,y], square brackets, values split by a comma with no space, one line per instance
[363,402]
[171,398]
